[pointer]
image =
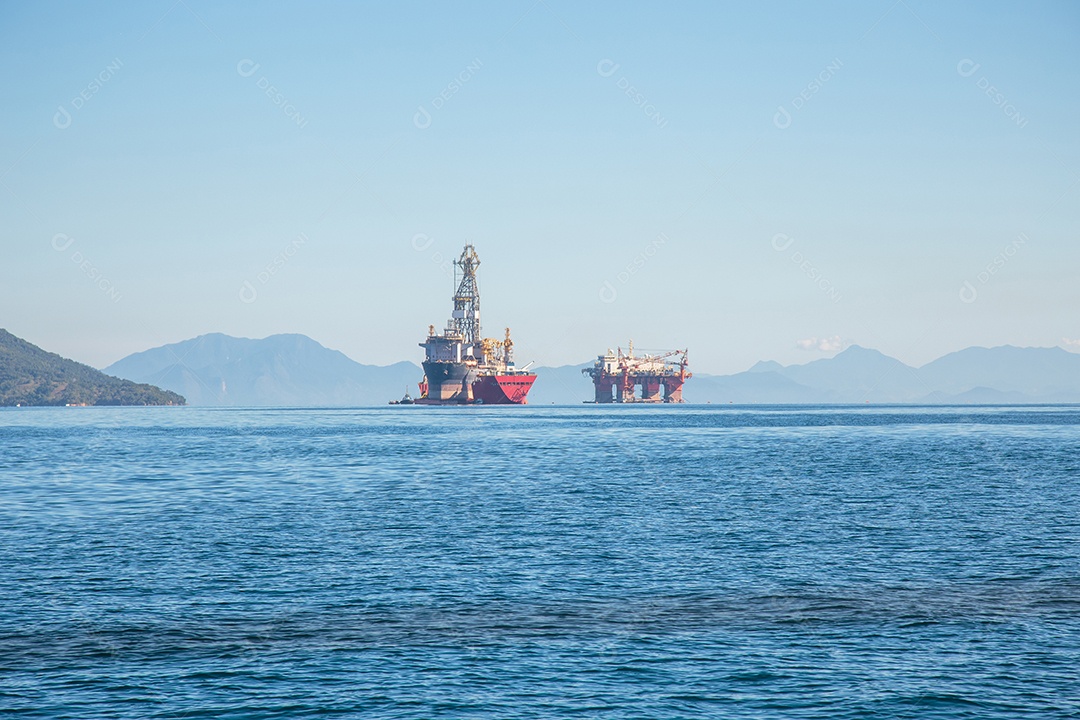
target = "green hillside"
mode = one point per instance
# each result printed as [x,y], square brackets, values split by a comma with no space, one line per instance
[32,376]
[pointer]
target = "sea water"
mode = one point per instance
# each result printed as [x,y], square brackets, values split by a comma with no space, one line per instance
[532,562]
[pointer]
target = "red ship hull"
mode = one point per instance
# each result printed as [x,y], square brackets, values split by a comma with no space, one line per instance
[487,390]
[502,389]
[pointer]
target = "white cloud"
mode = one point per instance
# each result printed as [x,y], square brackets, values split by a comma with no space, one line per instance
[1070,344]
[830,344]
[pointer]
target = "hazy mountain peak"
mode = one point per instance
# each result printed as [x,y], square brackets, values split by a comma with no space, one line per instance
[1005,374]
[281,369]
[766,366]
[857,350]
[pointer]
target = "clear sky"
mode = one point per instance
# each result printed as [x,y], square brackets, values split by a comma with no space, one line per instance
[748,180]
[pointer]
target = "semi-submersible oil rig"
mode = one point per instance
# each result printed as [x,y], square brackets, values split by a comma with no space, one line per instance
[661,377]
[461,366]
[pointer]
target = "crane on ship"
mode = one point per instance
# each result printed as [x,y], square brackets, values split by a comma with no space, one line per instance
[630,362]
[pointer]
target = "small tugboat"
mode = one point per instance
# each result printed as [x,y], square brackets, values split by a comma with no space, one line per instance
[407,400]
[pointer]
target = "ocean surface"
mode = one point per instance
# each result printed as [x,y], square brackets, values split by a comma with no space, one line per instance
[540,562]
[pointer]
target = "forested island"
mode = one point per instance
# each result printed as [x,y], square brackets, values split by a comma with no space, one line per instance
[32,376]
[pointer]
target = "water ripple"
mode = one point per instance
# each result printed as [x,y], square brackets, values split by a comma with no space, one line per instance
[539,562]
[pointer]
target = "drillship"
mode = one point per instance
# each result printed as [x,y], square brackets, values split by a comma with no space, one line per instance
[461,366]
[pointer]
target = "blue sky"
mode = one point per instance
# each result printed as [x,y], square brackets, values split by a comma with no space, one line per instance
[751,181]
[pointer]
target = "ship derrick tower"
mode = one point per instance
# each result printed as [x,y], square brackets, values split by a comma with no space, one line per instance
[460,364]
[466,317]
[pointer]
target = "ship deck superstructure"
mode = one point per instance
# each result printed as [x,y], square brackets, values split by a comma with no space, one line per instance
[616,376]
[460,365]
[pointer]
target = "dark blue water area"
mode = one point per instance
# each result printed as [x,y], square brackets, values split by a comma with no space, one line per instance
[532,562]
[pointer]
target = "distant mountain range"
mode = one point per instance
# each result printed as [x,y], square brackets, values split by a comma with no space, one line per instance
[32,376]
[295,370]
[1003,374]
[280,370]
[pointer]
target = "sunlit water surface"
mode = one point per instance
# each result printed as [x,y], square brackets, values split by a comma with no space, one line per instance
[609,562]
